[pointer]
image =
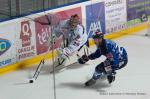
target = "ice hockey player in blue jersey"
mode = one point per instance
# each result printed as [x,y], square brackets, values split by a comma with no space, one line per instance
[116,58]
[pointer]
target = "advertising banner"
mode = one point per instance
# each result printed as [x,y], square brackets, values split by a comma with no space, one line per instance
[138,9]
[25,40]
[115,15]
[95,18]
[7,44]
[43,32]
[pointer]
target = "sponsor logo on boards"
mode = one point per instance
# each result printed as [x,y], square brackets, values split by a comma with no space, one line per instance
[4,45]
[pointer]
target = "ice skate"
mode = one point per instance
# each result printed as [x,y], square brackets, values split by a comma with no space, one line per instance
[111,78]
[90,82]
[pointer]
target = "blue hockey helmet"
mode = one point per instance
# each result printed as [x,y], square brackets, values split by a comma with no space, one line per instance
[98,34]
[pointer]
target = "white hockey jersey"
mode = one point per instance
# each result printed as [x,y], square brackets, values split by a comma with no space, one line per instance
[76,37]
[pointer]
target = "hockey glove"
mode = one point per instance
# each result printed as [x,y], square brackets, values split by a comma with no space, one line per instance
[83,59]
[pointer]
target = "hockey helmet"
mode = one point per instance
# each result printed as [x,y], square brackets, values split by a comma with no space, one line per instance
[74,20]
[98,34]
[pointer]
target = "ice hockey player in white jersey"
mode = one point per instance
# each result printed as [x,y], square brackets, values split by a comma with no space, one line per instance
[74,33]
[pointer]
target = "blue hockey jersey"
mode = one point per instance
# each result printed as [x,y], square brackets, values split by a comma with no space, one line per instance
[112,51]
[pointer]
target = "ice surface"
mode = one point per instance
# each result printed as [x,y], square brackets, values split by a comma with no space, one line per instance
[132,82]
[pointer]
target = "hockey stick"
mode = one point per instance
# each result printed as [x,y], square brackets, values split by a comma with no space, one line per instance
[38,70]
[59,61]
[59,67]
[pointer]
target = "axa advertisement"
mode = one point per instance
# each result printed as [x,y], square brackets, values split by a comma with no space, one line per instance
[94,20]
